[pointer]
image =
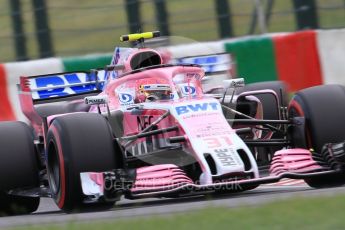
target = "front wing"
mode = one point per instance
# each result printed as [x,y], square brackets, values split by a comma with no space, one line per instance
[169,181]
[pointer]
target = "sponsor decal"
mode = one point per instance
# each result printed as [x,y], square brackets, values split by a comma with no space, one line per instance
[153,87]
[66,81]
[144,121]
[217,142]
[96,100]
[126,98]
[126,95]
[197,107]
[228,157]
[187,89]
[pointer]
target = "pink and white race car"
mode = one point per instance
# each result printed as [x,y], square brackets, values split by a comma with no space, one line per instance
[144,128]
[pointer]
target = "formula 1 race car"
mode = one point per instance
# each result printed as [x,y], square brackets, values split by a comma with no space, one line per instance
[144,128]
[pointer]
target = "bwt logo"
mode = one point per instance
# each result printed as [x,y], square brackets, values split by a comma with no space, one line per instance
[196,107]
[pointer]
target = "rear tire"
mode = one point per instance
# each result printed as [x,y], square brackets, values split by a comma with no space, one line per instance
[323,108]
[18,168]
[78,143]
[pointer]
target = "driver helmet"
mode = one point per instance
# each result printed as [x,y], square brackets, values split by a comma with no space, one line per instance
[154,92]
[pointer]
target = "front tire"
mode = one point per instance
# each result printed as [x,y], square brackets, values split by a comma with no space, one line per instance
[323,108]
[78,143]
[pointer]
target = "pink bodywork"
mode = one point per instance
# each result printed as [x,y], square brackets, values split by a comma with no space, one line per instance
[98,179]
[151,178]
[209,128]
[159,177]
[134,80]
[27,106]
[293,160]
[159,75]
[168,177]
[163,75]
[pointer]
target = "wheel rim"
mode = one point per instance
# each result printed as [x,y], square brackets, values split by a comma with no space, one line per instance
[296,110]
[53,168]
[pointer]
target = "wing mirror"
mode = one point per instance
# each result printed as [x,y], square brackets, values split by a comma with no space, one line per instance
[236,82]
[232,83]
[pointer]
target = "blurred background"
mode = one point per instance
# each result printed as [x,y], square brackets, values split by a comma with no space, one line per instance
[31,29]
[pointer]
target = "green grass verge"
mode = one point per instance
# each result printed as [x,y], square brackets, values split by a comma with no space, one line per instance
[297,213]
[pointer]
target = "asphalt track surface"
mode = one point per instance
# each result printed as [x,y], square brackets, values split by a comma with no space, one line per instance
[48,212]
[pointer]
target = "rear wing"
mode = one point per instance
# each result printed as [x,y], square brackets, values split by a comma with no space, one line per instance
[49,88]
[212,63]
[217,67]
[62,86]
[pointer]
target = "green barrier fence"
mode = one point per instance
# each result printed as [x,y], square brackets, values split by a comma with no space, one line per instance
[255,60]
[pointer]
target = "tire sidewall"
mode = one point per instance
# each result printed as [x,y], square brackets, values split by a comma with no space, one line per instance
[323,108]
[59,194]
[18,167]
[76,138]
